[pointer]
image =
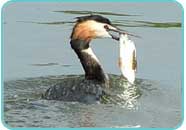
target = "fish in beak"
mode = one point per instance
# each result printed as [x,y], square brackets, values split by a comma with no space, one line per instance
[115,32]
[127,58]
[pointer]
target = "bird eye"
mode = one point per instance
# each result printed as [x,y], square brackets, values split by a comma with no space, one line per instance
[106,27]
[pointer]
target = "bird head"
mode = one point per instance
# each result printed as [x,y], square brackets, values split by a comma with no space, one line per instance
[92,27]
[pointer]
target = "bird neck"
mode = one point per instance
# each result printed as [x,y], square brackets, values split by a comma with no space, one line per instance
[91,65]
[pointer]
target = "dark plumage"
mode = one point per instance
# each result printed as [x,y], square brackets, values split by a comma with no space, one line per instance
[96,18]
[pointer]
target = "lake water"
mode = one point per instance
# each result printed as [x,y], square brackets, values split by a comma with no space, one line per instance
[36,50]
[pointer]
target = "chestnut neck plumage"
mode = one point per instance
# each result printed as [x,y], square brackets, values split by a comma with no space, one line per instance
[92,67]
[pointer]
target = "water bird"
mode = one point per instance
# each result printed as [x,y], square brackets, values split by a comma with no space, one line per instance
[86,29]
[95,85]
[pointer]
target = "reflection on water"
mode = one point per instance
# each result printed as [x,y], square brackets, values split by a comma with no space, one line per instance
[45,64]
[50,64]
[79,12]
[147,24]
[119,23]
[129,96]
[122,23]
[49,23]
[25,108]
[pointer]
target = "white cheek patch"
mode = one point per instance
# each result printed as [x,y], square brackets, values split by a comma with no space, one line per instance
[127,58]
[99,29]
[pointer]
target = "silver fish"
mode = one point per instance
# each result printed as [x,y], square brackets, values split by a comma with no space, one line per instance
[127,58]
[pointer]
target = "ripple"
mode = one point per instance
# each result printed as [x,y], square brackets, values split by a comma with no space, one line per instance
[119,23]
[93,12]
[45,64]
[121,105]
[130,23]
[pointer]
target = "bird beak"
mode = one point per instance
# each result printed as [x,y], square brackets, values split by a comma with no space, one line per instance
[114,32]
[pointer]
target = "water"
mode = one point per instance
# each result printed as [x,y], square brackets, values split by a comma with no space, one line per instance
[36,43]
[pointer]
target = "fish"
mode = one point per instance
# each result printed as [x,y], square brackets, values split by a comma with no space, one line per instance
[127,58]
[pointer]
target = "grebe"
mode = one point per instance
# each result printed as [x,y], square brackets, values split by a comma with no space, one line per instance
[86,29]
[96,84]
